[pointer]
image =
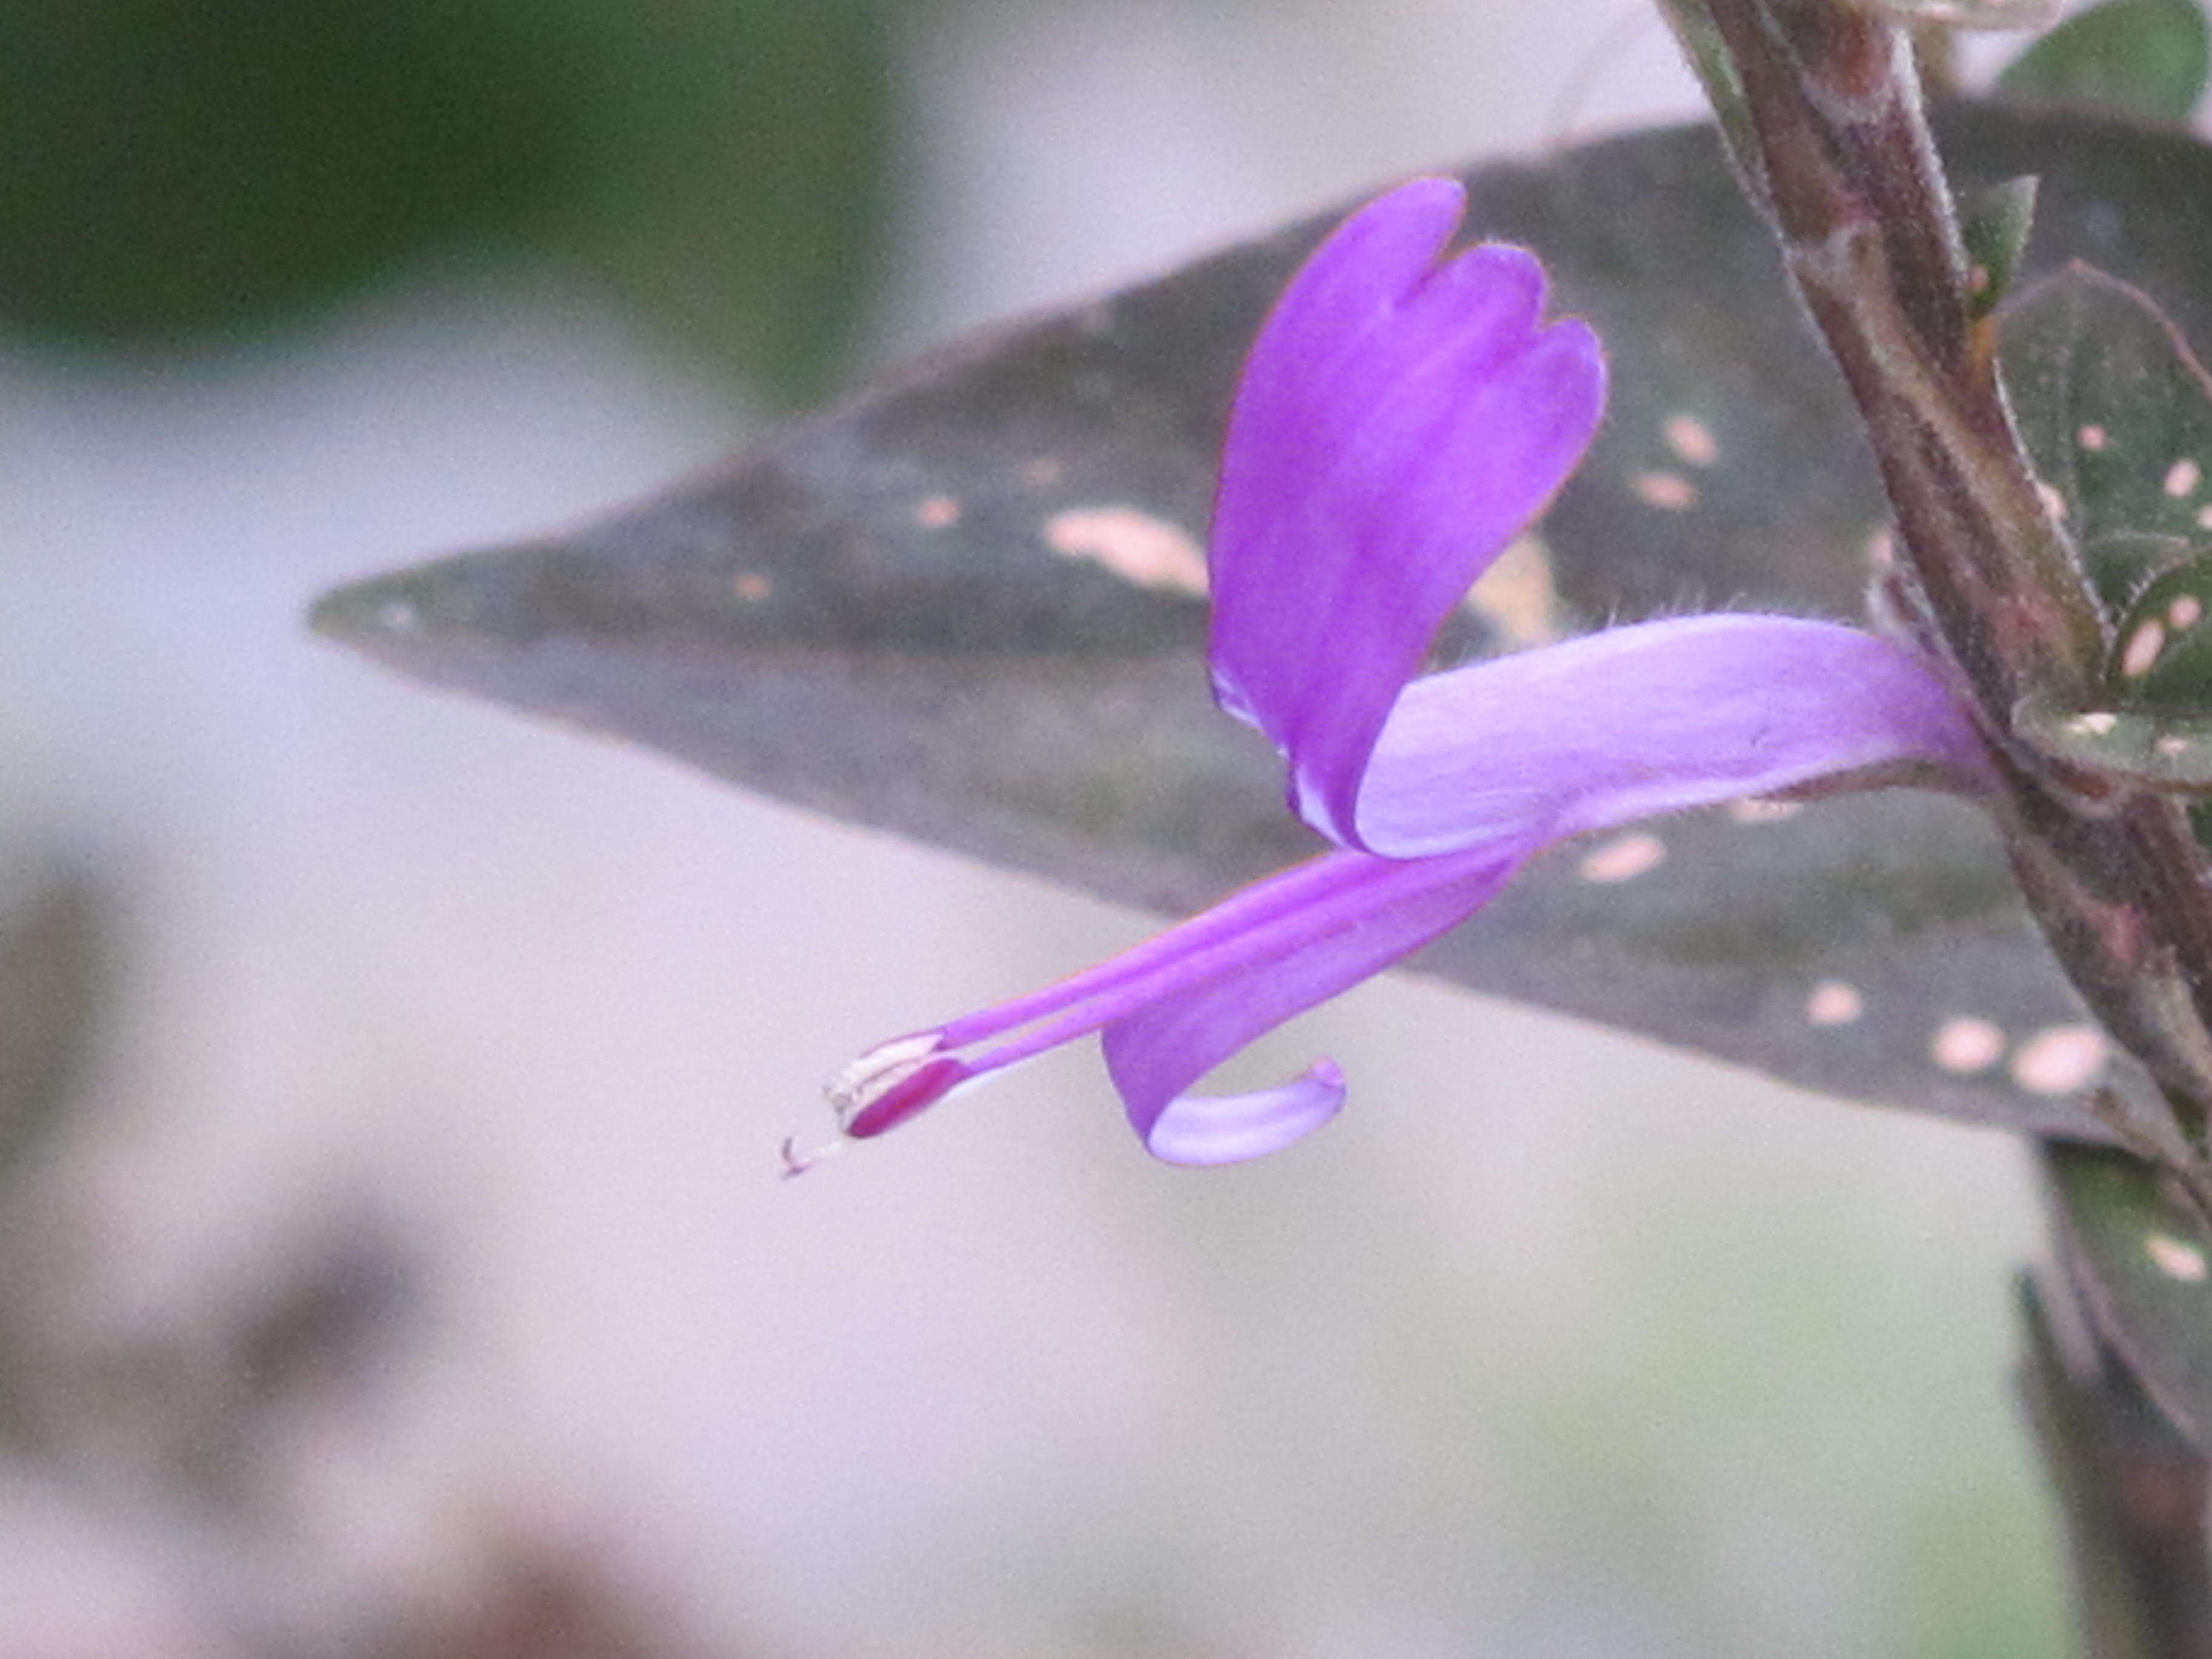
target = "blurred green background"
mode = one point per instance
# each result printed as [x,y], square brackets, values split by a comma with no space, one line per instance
[189,172]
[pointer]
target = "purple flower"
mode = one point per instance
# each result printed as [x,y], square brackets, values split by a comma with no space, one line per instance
[1400,421]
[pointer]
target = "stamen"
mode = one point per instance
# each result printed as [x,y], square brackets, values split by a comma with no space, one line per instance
[877,1072]
[912,1091]
[797,1163]
[1269,921]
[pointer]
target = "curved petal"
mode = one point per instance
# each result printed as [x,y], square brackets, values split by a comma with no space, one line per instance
[1200,1131]
[1653,718]
[1155,1053]
[1398,422]
[1176,1005]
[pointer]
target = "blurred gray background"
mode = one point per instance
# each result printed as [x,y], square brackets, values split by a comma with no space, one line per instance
[410,1272]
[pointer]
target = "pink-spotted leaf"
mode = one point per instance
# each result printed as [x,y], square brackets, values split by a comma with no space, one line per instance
[965,605]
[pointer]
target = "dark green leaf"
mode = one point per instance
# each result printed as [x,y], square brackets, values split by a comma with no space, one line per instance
[2138,1254]
[2123,563]
[1998,224]
[2145,58]
[2162,653]
[2166,751]
[964,607]
[2118,414]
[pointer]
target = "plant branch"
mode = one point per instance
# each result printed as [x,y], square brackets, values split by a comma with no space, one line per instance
[1832,145]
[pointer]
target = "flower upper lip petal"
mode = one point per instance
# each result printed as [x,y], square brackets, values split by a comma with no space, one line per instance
[1399,423]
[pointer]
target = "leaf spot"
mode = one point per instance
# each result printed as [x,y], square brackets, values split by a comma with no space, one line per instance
[2173,743]
[1624,858]
[1882,549]
[1692,440]
[1139,549]
[938,513]
[1964,1045]
[2094,724]
[2184,612]
[752,585]
[398,616]
[2059,1059]
[2139,655]
[1515,595]
[2182,478]
[1670,492]
[2176,1259]
[2205,517]
[2053,502]
[1758,809]
[2091,438]
[1833,1002]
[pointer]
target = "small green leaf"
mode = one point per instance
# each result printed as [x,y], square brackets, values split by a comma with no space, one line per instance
[2117,415]
[2171,752]
[2140,1257]
[1998,221]
[2145,58]
[2126,562]
[2162,654]
[2156,727]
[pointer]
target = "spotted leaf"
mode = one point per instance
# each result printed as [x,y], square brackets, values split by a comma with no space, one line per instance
[2171,752]
[2118,414]
[2139,1258]
[2162,649]
[968,605]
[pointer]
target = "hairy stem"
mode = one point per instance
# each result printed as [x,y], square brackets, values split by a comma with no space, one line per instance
[1822,111]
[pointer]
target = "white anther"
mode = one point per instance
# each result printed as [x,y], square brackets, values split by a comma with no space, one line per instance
[879,1071]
